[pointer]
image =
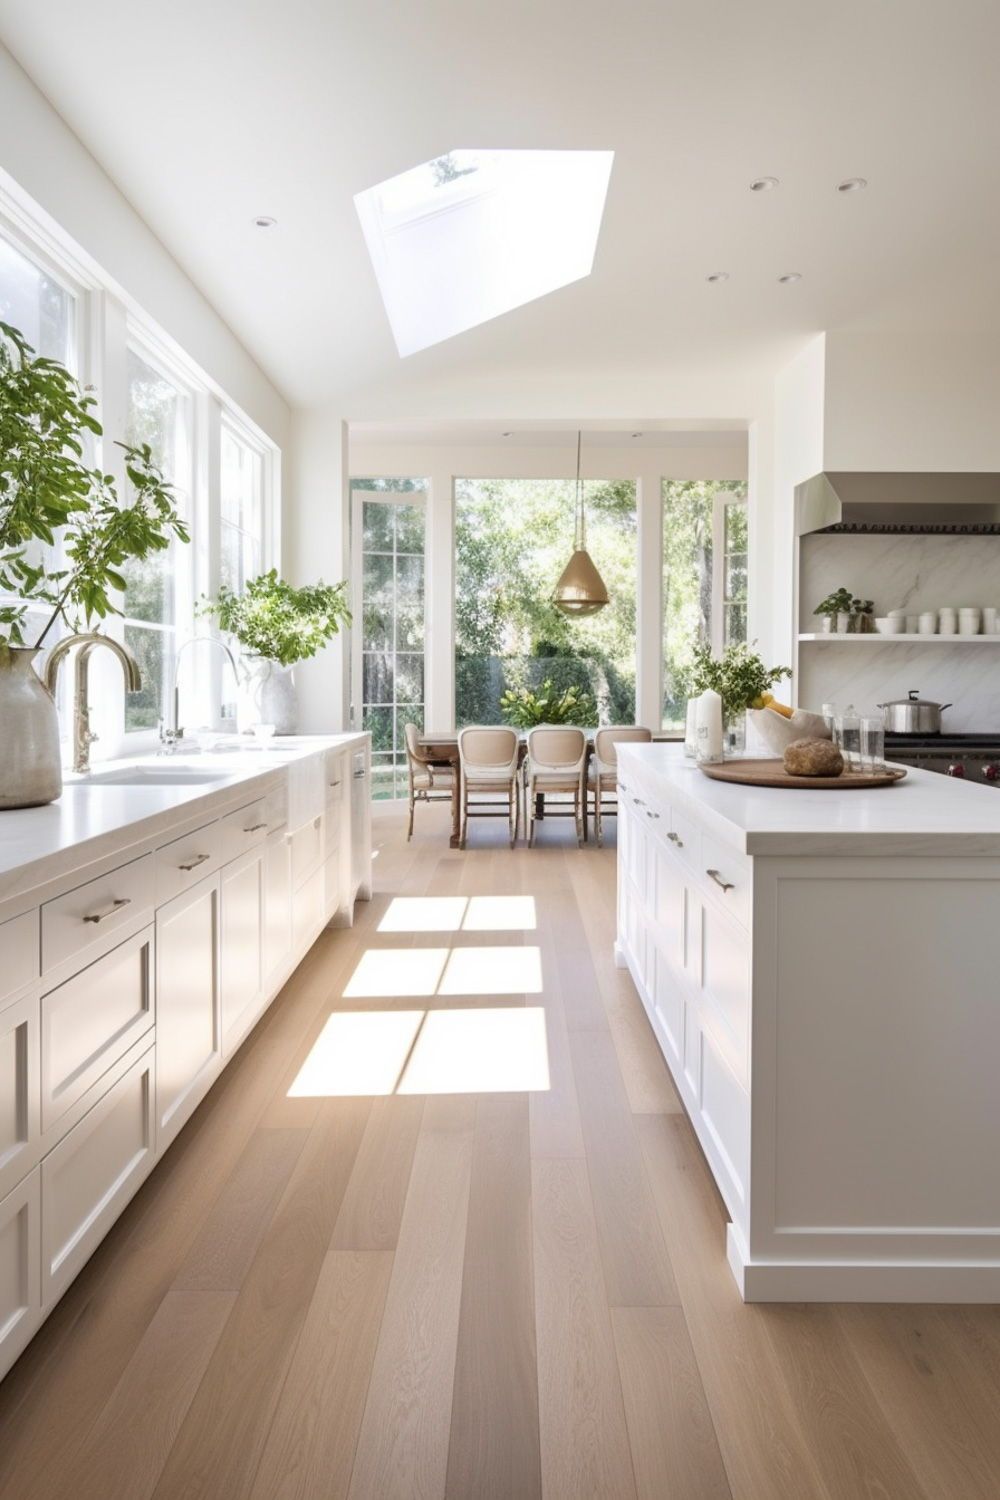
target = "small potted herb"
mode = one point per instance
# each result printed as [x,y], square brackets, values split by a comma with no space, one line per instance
[835,611]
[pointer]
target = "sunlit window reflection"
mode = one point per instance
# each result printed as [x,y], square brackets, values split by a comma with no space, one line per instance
[462,1051]
[382,972]
[358,1052]
[460,913]
[501,914]
[492,971]
[479,1051]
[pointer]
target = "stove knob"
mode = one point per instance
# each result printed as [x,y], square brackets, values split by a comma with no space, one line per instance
[956,768]
[991,772]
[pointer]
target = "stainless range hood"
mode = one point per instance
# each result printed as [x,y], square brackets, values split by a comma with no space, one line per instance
[961,503]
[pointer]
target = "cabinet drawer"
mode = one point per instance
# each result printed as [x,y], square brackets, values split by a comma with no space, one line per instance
[19,1092]
[338,774]
[87,920]
[19,956]
[726,877]
[684,837]
[93,1172]
[91,1020]
[276,806]
[20,1263]
[180,864]
[307,851]
[242,829]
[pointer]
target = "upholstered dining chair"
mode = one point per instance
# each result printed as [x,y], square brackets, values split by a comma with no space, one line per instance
[602,776]
[555,762]
[428,782]
[488,758]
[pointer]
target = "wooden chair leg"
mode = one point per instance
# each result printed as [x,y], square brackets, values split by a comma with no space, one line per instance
[529,809]
[598,830]
[465,819]
[409,831]
[577,821]
[512,806]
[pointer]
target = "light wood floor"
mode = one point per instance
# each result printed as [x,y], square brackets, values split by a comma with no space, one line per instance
[500,1295]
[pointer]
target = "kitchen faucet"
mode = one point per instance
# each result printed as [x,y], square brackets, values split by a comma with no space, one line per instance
[83,737]
[171,732]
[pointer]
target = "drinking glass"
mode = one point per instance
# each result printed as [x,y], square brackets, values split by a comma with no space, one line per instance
[872,745]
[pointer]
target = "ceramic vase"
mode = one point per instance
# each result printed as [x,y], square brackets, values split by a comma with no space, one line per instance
[30,764]
[267,696]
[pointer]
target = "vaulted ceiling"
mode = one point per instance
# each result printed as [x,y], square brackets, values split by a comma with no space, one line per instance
[206,115]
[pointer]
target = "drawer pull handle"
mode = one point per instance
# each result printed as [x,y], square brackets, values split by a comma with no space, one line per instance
[193,864]
[675,838]
[638,801]
[651,814]
[255,828]
[98,916]
[333,783]
[726,885]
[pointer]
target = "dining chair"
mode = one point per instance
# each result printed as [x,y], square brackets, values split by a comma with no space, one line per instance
[602,775]
[488,759]
[428,782]
[555,762]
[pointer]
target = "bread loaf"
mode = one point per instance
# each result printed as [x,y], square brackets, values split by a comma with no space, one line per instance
[813,758]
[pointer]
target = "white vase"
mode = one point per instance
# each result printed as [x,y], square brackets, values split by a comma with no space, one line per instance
[267,696]
[30,767]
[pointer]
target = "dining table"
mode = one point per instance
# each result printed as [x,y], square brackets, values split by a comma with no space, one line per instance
[441,748]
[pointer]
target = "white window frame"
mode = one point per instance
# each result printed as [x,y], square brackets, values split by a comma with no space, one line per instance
[721,500]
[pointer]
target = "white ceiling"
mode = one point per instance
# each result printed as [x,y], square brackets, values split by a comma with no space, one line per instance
[207,114]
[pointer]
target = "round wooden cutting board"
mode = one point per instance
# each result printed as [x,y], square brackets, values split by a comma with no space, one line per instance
[773,773]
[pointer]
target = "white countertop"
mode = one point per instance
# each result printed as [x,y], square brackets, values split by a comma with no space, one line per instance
[926,814]
[91,815]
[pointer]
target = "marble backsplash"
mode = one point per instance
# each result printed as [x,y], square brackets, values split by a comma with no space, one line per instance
[903,572]
[899,572]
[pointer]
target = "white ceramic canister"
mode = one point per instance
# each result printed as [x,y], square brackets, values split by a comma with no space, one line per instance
[928,622]
[969,620]
[989,620]
[912,624]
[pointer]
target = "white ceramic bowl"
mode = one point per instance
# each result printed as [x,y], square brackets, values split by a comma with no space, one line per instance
[889,624]
[777,732]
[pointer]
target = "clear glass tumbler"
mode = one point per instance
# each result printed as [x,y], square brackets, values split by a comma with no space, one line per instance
[873,745]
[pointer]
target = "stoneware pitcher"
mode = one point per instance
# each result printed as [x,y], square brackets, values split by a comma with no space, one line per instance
[30,766]
[267,696]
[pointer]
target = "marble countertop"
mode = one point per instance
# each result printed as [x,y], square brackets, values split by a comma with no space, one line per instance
[93,816]
[925,814]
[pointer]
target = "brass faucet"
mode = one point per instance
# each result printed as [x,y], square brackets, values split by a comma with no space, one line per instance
[83,737]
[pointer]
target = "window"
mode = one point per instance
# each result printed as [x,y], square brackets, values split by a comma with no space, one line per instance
[35,302]
[512,540]
[242,517]
[704,577]
[472,234]
[389,532]
[158,595]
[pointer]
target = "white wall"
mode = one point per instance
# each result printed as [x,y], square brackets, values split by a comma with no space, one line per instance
[43,162]
[798,454]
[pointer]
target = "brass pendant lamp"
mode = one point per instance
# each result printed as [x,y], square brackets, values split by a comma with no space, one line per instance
[581,589]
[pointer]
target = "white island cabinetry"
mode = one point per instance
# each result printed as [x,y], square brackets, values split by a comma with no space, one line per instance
[137,951]
[819,969]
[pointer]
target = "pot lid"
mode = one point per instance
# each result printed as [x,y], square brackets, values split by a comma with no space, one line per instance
[914,700]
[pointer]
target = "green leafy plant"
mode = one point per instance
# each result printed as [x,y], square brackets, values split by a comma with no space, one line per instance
[739,676]
[273,619]
[525,709]
[837,603]
[48,494]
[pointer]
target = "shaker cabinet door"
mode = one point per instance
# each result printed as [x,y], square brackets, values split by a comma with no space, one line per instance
[242,907]
[188,1006]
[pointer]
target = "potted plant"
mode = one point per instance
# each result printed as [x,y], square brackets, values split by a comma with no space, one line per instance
[526,709]
[276,626]
[863,611]
[742,681]
[64,537]
[835,611]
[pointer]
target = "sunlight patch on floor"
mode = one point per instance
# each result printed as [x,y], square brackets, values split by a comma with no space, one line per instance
[385,972]
[493,971]
[460,913]
[479,1051]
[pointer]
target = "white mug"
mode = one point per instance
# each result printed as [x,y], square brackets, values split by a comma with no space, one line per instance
[989,620]
[968,621]
[928,623]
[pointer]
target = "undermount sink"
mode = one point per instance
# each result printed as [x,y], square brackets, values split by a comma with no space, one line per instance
[156,776]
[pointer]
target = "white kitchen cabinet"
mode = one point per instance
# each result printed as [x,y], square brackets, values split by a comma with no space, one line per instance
[89,1022]
[19,957]
[93,1172]
[20,1268]
[20,1125]
[360,805]
[307,850]
[276,946]
[242,896]
[307,914]
[188,1006]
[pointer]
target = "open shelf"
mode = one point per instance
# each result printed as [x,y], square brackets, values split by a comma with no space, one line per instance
[841,639]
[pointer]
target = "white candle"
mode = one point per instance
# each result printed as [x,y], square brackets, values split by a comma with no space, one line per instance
[710,726]
[691,729]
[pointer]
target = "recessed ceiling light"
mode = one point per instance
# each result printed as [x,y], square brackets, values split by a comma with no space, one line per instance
[852,185]
[717,276]
[790,276]
[264,221]
[763,184]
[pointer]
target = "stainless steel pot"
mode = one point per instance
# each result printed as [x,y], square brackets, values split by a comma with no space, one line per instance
[913,715]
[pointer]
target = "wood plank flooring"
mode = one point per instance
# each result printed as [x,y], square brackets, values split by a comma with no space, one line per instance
[500,1295]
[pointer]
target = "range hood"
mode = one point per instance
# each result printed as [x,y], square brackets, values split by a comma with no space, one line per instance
[934,504]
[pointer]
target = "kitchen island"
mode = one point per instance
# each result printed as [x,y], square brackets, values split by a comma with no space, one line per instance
[822,972]
[148,918]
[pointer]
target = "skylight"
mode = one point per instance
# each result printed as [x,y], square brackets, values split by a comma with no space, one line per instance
[472,234]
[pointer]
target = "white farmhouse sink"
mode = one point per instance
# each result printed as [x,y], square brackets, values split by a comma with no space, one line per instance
[156,776]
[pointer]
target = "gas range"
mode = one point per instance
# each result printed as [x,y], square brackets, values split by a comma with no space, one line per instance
[976,757]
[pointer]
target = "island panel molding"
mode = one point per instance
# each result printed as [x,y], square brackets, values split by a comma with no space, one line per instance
[825,1001]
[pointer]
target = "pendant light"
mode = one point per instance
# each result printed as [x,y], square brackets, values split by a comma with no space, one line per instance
[581,589]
